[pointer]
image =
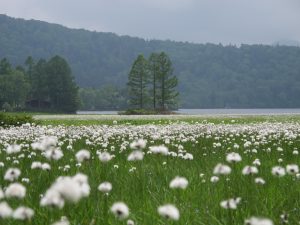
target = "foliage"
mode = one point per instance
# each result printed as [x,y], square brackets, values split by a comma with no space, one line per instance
[138,79]
[209,75]
[107,97]
[145,112]
[152,80]
[7,119]
[41,86]
[144,185]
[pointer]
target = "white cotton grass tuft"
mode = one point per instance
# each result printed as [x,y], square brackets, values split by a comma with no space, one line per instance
[120,210]
[63,221]
[292,169]
[214,179]
[130,222]
[13,148]
[278,171]
[230,203]
[53,154]
[249,170]
[45,143]
[23,213]
[12,174]
[222,169]
[46,166]
[138,144]
[15,190]
[83,155]
[105,157]
[258,221]
[5,210]
[105,187]
[233,157]
[52,198]
[259,180]
[70,189]
[36,165]
[135,156]
[169,211]
[179,183]
[161,149]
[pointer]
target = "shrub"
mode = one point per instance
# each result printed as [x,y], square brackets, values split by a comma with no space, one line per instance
[6,107]
[7,119]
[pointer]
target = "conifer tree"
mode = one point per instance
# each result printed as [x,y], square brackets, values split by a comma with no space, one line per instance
[167,83]
[137,83]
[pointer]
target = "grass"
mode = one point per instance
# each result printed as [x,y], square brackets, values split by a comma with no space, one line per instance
[87,120]
[147,187]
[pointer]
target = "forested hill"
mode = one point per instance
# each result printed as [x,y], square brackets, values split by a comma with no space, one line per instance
[209,75]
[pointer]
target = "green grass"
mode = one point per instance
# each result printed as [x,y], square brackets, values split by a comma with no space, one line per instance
[148,186]
[80,120]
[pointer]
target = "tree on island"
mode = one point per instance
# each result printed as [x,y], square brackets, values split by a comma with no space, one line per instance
[137,83]
[152,79]
[167,94]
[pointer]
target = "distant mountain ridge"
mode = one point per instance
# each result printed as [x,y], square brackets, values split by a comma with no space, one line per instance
[209,75]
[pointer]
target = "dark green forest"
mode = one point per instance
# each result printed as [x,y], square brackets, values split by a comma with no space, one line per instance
[209,75]
[38,86]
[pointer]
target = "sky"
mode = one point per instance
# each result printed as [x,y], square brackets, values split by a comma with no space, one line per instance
[197,21]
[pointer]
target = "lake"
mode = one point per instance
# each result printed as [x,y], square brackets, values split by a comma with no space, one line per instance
[212,112]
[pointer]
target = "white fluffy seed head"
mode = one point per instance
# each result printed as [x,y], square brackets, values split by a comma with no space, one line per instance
[233,157]
[249,170]
[15,190]
[221,169]
[230,203]
[105,157]
[5,210]
[120,210]
[105,187]
[179,183]
[169,211]
[258,221]
[278,171]
[292,169]
[23,213]
[14,148]
[214,179]
[82,155]
[161,149]
[135,156]
[130,222]
[138,144]
[12,174]
[260,180]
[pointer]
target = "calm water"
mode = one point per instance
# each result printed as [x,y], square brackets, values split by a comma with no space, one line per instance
[212,112]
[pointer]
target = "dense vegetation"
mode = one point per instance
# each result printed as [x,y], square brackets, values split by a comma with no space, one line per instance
[151,84]
[7,120]
[212,174]
[42,86]
[209,75]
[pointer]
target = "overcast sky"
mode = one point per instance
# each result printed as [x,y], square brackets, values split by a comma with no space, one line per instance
[200,21]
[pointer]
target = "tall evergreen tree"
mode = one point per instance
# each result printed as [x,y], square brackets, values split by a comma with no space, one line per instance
[166,83]
[137,84]
[39,85]
[5,66]
[154,73]
[63,92]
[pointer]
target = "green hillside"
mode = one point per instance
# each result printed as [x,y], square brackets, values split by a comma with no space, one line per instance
[209,75]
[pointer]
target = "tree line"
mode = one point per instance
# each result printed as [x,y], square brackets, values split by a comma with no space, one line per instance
[151,84]
[42,86]
[209,75]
